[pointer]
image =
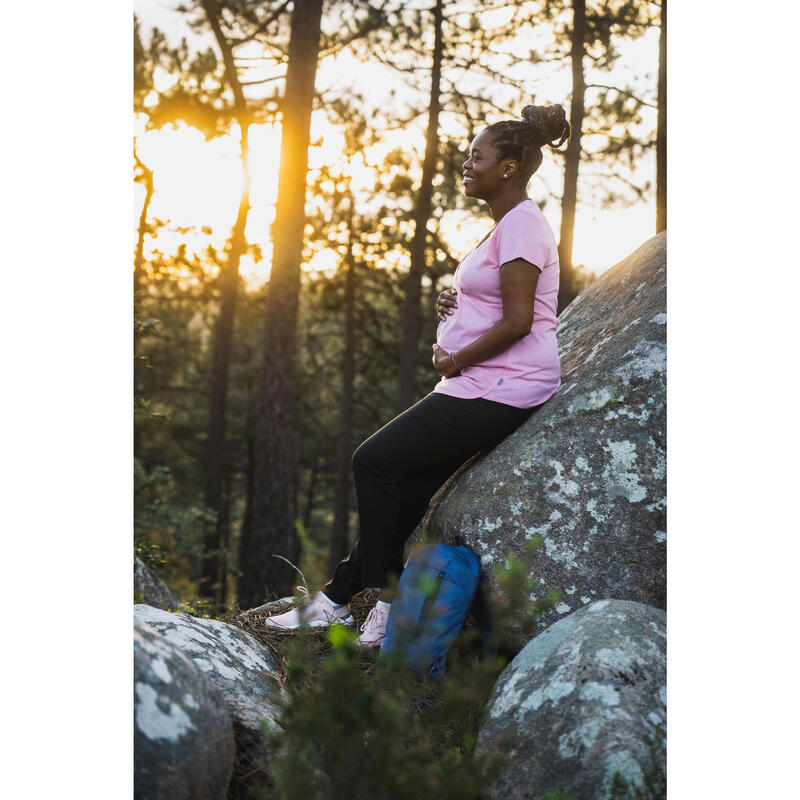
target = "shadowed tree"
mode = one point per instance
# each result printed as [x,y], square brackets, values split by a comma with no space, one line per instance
[143,67]
[592,34]
[213,572]
[572,156]
[409,339]
[339,532]
[269,529]
[145,176]
[209,94]
[212,577]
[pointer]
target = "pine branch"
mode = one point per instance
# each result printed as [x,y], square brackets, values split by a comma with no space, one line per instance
[621,91]
[454,92]
[263,80]
[264,24]
[373,24]
[641,191]
[473,64]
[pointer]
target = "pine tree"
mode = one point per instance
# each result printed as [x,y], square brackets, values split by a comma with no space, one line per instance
[269,530]
[409,340]
[592,34]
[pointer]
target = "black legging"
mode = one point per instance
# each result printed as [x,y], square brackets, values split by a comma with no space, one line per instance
[399,469]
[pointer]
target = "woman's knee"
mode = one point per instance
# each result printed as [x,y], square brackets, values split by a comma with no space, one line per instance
[368,456]
[361,457]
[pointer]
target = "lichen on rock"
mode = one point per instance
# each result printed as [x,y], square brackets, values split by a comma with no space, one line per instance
[584,701]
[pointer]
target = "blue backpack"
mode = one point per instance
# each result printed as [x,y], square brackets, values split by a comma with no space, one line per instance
[438,588]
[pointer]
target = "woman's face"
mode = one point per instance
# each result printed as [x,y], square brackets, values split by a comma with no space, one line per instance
[482,171]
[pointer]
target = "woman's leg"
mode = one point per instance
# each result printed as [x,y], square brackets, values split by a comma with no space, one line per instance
[400,467]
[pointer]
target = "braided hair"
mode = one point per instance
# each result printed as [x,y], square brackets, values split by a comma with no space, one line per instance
[522,140]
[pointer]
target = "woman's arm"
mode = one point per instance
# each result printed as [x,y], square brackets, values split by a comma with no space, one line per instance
[518,280]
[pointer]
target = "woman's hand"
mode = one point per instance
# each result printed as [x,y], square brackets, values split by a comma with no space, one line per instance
[446,303]
[442,362]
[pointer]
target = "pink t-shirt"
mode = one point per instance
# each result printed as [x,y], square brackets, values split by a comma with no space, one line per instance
[529,372]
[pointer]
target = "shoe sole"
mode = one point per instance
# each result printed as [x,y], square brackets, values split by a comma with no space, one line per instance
[317,623]
[370,644]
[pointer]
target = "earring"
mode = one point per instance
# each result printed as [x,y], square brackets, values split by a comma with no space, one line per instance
[505,176]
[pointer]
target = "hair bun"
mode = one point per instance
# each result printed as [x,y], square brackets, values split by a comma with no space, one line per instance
[549,122]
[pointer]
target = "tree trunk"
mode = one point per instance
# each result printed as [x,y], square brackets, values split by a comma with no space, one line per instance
[247,519]
[138,261]
[339,538]
[309,504]
[409,341]
[215,452]
[221,593]
[661,136]
[138,271]
[572,158]
[270,529]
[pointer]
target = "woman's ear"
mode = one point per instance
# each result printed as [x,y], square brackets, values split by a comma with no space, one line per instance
[510,167]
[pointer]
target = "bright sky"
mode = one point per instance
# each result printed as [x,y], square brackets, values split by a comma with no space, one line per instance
[208,197]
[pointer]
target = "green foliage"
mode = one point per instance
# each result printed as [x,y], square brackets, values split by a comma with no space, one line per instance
[352,726]
[165,528]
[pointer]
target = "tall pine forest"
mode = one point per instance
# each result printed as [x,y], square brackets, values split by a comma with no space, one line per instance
[266,351]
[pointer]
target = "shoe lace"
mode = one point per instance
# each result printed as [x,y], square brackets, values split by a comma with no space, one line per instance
[371,617]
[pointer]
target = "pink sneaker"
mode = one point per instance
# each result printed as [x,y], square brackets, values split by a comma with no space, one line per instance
[374,627]
[317,613]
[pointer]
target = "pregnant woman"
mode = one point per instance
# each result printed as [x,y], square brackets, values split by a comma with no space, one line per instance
[497,356]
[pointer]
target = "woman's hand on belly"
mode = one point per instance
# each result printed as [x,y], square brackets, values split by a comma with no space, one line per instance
[442,362]
[446,303]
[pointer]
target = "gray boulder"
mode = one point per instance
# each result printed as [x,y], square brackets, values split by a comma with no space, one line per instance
[583,701]
[150,589]
[587,472]
[244,670]
[183,737]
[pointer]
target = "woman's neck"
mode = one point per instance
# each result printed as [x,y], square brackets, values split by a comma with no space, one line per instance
[500,206]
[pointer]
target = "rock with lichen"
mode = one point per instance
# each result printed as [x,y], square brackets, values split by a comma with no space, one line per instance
[183,738]
[150,589]
[244,670]
[586,474]
[582,708]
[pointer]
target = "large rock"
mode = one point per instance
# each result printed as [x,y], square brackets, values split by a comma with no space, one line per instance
[150,589]
[241,667]
[584,700]
[183,737]
[586,473]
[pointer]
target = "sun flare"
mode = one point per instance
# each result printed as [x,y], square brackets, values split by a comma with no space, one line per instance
[198,183]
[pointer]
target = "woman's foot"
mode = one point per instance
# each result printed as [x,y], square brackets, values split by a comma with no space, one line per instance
[374,627]
[317,613]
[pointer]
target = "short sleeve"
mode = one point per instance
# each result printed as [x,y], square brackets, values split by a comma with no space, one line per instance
[522,235]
